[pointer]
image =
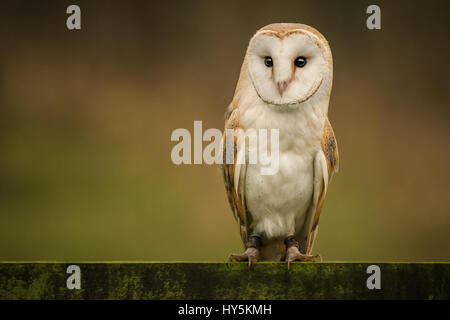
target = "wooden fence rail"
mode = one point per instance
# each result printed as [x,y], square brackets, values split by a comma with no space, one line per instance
[217,280]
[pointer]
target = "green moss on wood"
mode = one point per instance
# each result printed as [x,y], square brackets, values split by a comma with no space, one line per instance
[219,281]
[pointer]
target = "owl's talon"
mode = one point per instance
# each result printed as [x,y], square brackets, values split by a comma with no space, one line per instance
[319,256]
[293,254]
[251,255]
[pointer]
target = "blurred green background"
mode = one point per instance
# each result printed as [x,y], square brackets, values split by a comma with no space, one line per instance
[86,118]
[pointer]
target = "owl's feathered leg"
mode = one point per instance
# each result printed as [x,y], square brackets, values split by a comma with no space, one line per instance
[293,253]
[251,253]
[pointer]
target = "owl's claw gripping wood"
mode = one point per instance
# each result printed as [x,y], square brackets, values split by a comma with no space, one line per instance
[293,253]
[251,254]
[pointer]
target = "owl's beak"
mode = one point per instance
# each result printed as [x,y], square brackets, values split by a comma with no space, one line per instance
[282,85]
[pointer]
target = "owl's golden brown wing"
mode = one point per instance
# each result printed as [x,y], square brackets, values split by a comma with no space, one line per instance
[326,164]
[330,149]
[234,178]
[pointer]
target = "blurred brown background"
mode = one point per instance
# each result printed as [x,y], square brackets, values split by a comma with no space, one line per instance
[86,118]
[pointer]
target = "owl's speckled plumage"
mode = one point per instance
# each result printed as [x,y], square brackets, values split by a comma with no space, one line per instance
[294,100]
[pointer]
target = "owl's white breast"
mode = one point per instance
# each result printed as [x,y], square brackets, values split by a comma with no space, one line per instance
[279,203]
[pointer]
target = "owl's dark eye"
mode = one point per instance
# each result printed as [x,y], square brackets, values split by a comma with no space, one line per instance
[268,62]
[300,62]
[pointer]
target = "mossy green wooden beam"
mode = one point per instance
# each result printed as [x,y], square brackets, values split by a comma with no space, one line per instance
[209,280]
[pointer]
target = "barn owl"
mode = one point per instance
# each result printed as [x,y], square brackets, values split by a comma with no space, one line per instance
[285,84]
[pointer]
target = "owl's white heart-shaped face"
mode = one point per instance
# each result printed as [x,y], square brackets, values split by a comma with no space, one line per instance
[288,70]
